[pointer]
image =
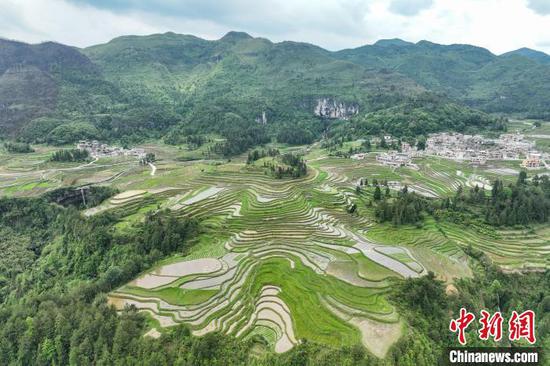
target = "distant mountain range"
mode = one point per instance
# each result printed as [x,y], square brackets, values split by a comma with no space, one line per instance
[516,82]
[534,55]
[148,85]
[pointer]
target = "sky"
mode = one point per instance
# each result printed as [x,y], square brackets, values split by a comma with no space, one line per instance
[499,25]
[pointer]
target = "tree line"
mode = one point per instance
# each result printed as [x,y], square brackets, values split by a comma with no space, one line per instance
[70,155]
[522,203]
[18,147]
[258,154]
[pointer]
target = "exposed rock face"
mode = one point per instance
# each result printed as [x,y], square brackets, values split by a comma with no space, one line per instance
[330,108]
[262,119]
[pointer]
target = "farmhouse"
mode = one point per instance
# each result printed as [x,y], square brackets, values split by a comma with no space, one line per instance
[359,156]
[393,158]
[532,161]
[412,151]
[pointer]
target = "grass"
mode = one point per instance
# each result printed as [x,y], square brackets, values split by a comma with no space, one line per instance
[371,270]
[301,289]
[172,295]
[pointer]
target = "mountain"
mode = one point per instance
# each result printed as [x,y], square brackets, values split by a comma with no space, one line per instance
[174,85]
[47,79]
[472,75]
[227,85]
[240,69]
[392,42]
[534,55]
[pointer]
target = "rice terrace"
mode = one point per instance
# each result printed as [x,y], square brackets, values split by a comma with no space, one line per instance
[286,259]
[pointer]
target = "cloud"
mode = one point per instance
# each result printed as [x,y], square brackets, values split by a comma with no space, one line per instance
[539,6]
[332,24]
[269,17]
[409,7]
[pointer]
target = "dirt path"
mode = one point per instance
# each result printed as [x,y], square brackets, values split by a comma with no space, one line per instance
[153,169]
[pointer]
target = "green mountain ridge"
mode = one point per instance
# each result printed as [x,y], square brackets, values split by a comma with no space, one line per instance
[535,55]
[172,83]
[510,83]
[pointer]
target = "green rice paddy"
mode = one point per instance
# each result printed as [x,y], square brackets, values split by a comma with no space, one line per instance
[292,262]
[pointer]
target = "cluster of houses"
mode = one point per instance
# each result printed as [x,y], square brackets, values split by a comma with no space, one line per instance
[99,150]
[396,159]
[478,149]
[475,149]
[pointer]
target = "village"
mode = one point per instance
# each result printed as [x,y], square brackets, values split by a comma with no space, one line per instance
[478,149]
[475,149]
[99,150]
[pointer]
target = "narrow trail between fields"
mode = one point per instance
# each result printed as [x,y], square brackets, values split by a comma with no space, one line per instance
[153,168]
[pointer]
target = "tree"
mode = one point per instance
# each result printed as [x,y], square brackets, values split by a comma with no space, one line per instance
[377,194]
[366,145]
[18,147]
[70,155]
[522,178]
[421,143]
[148,158]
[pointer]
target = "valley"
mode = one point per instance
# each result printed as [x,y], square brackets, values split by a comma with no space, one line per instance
[286,259]
[168,199]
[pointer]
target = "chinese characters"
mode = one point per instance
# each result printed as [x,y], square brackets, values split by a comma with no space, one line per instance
[520,326]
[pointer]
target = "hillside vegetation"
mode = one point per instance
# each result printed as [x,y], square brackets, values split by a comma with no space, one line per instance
[514,82]
[175,85]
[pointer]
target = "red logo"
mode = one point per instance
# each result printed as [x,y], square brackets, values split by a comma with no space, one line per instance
[461,324]
[490,326]
[519,326]
[522,326]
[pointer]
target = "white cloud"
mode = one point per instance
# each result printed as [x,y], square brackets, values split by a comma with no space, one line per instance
[333,24]
[409,7]
[39,20]
[539,6]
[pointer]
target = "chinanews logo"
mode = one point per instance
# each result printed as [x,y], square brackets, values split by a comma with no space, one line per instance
[519,327]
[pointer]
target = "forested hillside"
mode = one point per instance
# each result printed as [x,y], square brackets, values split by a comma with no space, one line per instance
[171,85]
[516,82]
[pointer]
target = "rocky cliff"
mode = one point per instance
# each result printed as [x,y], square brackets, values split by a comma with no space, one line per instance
[330,108]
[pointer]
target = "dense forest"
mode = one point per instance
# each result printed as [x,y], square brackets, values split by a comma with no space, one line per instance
[286,166]
[404,209]
[240,140]
[417,117]
[80,197]
[519,204]
[258,154]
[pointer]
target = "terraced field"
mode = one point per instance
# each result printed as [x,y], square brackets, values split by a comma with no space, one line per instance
[284,259]
[434,177]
